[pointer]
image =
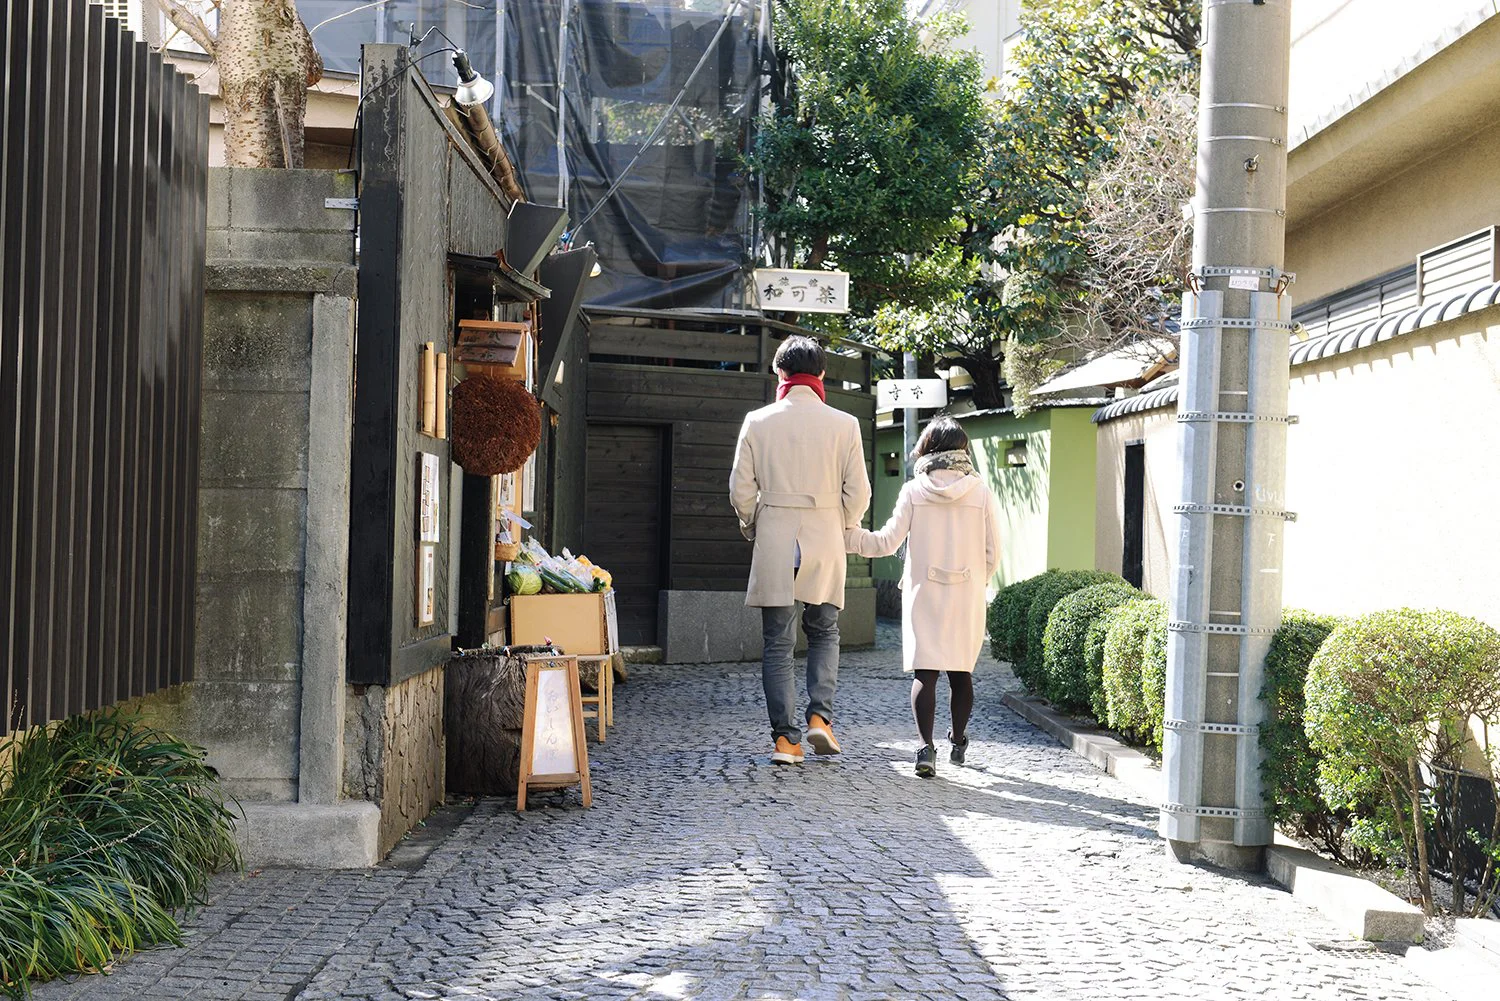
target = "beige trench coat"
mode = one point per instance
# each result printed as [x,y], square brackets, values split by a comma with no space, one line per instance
[799,479]
[951,522]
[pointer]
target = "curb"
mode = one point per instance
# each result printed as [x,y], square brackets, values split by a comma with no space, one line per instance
[1352,902]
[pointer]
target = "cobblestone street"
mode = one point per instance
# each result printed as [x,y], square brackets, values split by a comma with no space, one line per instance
[705,872]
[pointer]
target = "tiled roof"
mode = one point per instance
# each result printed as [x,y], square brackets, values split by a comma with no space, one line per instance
[1336,343]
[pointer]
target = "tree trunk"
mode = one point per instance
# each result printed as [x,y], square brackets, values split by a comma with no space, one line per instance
[985,371]
[266,62]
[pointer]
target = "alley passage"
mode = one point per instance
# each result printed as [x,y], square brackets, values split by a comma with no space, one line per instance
[705,872]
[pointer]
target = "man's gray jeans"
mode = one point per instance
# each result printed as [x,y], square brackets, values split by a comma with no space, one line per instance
[779,630]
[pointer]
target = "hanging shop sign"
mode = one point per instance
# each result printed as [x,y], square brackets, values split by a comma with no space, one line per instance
[911,394]
[802,291]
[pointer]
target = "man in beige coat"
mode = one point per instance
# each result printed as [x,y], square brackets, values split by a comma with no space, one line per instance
[799,481]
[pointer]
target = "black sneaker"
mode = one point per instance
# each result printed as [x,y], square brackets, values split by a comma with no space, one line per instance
[960,748]
[927,762]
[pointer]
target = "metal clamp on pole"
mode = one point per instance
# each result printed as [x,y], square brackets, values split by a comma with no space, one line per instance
[1220,628]
[1193,726]
[1235,509]
[1236,323]
[1213,811]
[1235,417]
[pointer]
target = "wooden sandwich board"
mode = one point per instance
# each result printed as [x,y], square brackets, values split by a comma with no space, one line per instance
[554,748]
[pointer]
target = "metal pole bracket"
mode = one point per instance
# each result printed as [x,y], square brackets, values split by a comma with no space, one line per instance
[1235,509]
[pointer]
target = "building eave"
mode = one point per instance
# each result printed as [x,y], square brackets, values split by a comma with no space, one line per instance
[1337,343]
[1445,93]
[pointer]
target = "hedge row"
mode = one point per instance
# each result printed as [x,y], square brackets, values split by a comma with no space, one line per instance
[1362,712]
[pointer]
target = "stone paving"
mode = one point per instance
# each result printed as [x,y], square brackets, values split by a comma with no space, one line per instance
[705,872]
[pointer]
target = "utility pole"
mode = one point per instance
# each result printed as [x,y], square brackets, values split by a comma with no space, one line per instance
[1226,595]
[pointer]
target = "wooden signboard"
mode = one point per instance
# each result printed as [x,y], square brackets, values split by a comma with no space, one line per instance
[554,750]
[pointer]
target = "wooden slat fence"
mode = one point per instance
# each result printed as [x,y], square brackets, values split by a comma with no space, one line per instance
[103,195]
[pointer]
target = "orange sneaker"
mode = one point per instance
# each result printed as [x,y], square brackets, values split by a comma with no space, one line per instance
[820,736]
[786,753]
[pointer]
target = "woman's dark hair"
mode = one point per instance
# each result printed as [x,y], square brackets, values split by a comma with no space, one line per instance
[943,434]
[800,355]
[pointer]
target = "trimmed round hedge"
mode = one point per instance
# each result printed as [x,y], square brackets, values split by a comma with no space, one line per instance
[1070,684]
[1030,668]
[1289,769]
[1006,618]
[1135,694]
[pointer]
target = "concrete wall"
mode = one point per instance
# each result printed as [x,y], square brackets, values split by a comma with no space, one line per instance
[268,700]
[1393,472]
[991,22]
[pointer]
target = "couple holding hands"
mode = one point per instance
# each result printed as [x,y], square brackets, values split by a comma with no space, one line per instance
[800,488]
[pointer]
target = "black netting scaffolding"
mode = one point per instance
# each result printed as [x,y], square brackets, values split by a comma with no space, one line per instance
[660,191]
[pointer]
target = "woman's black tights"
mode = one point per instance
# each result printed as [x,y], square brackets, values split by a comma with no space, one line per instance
[924,701]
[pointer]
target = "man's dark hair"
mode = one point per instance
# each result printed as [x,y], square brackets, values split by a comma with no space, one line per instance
[800,355]
[944,434]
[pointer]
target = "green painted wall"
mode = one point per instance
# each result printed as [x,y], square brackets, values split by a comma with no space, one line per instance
[1022,490]
[1046,505]
[886,487]
[1070,523]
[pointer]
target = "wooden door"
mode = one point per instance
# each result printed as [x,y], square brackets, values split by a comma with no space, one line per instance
[624,529]
[1134,562]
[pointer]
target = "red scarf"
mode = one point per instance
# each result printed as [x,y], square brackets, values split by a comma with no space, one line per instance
[812,382]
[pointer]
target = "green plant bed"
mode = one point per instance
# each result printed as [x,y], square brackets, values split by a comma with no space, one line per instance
[107,827]
[1072,684]
[1030,666]
[1133,669]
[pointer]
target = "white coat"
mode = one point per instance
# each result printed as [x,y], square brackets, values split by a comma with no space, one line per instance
[951,524]
[799,479]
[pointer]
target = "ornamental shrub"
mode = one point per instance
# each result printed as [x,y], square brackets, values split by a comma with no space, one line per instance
[1007,618]
[1289,768]
[1136,632]
[1048,593]
[1390,697]
[1070,684]
[107,827]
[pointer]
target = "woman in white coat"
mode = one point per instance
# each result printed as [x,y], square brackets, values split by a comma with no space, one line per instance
[950,522]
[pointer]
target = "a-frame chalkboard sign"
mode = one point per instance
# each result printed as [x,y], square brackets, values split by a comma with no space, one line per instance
[554,750]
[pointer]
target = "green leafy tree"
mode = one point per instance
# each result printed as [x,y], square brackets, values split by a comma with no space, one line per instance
[875,151]
[1082,74]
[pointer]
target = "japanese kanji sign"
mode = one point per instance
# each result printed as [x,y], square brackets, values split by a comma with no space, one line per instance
[907,394]
[802,291]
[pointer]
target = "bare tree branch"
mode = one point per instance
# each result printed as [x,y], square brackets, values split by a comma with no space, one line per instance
[190,24]
[1139,244]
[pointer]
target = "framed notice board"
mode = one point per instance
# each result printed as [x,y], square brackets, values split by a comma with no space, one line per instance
[554,750]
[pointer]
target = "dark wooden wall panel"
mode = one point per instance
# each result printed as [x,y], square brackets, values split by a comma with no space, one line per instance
[700,383]
[103,180]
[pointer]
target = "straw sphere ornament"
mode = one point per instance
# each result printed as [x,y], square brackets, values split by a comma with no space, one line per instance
[497,424]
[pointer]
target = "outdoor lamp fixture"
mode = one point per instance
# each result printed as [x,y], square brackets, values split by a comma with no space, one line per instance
[892,464]
[1016,454]
[473,89]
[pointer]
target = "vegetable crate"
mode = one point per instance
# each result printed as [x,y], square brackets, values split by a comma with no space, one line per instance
[582,625]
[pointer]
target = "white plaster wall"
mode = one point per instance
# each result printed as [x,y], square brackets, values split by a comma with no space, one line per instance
[1394,472]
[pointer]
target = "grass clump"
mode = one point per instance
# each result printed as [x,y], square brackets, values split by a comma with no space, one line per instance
[107,828]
